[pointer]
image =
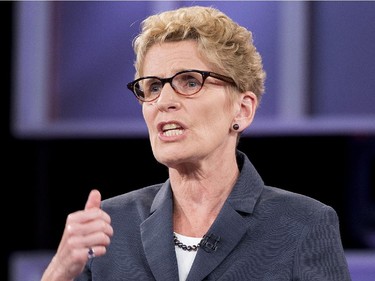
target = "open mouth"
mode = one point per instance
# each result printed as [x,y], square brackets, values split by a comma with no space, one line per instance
[172,129]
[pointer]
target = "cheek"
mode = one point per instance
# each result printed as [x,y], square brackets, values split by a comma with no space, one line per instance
[216,119]
[147,116]
[146,111]
[221,112]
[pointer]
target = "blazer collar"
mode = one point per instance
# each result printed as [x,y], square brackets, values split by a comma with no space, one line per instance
[248,186]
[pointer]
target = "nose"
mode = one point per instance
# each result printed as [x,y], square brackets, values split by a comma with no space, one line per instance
[168,98]
[167,92]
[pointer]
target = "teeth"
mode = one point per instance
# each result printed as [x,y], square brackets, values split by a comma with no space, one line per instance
[172,130]
[172,133]
[170,126]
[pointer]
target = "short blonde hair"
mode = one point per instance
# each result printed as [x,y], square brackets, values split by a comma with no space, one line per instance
[224,43]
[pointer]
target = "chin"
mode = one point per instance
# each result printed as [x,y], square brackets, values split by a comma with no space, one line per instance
[170,158]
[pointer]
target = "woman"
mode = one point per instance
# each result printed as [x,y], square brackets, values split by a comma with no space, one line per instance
[200,79]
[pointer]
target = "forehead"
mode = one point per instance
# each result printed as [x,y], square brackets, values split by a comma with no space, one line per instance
[167,58]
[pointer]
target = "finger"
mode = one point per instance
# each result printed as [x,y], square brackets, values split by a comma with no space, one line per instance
[94,199]
[93,252]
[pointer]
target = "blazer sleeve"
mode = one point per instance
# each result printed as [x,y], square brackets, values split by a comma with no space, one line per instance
[320,255]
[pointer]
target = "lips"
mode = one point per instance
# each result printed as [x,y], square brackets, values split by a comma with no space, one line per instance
[171,129]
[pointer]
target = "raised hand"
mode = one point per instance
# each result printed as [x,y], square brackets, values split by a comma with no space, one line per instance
[87,233]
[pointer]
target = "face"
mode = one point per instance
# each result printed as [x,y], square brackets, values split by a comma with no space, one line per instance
[187,130]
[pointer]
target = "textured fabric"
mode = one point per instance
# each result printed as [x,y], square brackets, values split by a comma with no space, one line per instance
[265,234]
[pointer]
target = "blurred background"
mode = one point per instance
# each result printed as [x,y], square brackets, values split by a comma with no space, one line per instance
[69,124]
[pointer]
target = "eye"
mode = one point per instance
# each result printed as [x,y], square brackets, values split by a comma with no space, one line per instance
[189,80]
[192,82]
[152,86]
[155,87]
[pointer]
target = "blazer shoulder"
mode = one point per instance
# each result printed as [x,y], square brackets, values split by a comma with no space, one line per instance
[143,196]
[296,205]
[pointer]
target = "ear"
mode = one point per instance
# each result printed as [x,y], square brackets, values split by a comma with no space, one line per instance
[248,103]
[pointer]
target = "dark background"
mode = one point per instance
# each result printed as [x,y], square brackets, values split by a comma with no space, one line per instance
[45,179]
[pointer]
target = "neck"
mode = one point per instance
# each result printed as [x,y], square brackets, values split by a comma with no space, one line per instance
[199,199]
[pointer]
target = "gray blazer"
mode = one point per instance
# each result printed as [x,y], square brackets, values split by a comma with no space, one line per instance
[265,233]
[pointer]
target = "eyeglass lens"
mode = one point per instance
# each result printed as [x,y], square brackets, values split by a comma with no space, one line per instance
[185,83]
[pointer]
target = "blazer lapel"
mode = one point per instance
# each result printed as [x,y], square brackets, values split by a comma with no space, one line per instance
[207,259]
[231,223]
[157,237]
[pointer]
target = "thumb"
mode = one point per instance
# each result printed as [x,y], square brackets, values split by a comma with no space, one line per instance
[94,199]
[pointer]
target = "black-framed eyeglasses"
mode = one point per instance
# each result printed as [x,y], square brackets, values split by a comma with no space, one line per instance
[186,83]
